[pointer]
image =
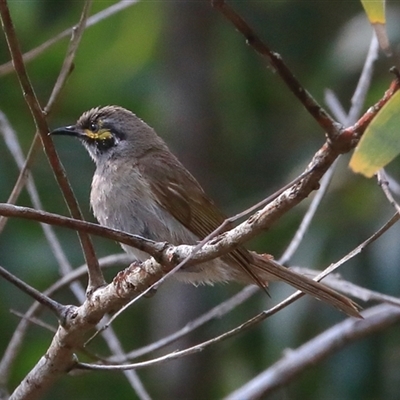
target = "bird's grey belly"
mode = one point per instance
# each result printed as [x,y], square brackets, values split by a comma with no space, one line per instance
[135,212]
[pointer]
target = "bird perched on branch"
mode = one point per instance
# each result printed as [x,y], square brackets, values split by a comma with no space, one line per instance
[140,187]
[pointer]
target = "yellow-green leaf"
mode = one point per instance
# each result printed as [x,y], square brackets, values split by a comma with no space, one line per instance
[380,143]
[375,10]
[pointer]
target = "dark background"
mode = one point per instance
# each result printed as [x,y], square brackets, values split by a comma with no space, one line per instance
[183,68]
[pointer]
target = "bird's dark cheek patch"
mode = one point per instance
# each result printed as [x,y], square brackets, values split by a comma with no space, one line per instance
[102,134]
[105,144]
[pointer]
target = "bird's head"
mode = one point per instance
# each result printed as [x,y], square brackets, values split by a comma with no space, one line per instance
[112,131]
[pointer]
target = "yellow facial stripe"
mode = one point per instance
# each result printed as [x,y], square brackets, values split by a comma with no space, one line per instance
[102,134]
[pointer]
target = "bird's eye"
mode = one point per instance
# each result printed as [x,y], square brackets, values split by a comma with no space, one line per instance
[94,127]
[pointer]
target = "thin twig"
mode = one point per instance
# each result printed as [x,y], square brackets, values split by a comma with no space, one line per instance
[23,174]
[350,289]
[177,354]
[16,341]
[136,241]
[357,103]
[216,312]
[384,184]
[93,20]
[361,246]
[335,105]
[308,216]
[319,348]
[57,308]
[364,83]
[35,145]
[328,124]
[95,276]
[352,134]
[35,321]
[77,33]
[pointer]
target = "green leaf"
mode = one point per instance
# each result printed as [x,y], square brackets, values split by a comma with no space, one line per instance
[380,143]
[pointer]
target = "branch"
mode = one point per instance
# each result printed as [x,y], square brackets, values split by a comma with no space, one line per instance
[95,276]
[216,312]
[327,123]
[93,20]
[16,341]
[357,102]
[77,33]
[384,184]
[319,348]
[57,308]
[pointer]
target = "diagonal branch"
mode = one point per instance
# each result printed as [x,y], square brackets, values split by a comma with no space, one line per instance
[95,276]
[327,123]
[93,20]
[319,348]
[77,33]
[57,308]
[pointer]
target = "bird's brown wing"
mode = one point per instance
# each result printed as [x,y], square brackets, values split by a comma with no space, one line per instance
[178,192]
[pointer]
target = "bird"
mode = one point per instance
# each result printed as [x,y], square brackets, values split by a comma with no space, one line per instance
[140,187]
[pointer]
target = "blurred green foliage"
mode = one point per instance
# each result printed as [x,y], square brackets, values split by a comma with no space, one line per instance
[181,67]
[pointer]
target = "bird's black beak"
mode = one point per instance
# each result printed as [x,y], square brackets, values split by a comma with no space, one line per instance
[71,130]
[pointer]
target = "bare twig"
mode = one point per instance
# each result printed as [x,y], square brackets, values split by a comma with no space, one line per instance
[364,83]
[361,246]
[216,312]
[136,241]
[327,123]
[93,20]
[35,321]
[335,106]
[182,353]
[24,172]
[13,145]
[57,308]
[95,276]
[352,134]
[357,102]
[319,348]
[15,342]
[77,33]
[23,176]
[384,184]
[336,282]
[308,216]
[393,184]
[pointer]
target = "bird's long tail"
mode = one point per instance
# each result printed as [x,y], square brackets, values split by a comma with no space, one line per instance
[263,264]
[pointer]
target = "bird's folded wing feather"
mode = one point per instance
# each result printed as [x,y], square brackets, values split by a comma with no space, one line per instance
[179,193]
